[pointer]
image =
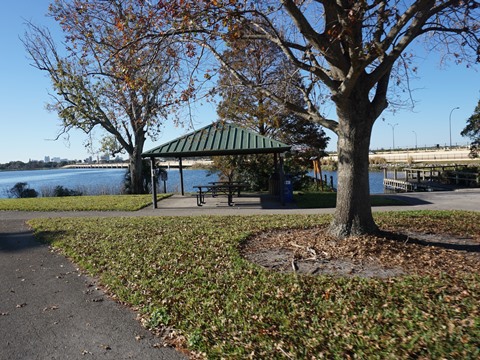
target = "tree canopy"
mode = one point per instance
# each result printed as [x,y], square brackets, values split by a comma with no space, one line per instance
[472,130]
[349,53]
[106,74]
[266,66]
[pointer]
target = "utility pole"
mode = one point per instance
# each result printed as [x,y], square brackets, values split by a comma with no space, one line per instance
[450,124]
[393,134]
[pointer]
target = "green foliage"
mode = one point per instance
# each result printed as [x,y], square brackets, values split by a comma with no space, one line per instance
[256,170]
[472,129]
[227,167]
[187,272]
[110,145]
[32,165]
[62,191]
[157,317]
[473,151]
[259,170]
[21,190]
[80,203]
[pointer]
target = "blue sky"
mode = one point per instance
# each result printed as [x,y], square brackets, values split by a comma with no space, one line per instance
[27,130]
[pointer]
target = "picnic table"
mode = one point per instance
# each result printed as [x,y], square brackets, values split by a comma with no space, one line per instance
[216,188]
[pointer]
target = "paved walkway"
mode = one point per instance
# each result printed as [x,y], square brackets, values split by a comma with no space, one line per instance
[49,310]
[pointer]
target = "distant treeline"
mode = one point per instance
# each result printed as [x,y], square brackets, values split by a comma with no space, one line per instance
[33,165]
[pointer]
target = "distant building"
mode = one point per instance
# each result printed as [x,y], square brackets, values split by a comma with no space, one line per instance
[105,157]
[58,160]
[46,159]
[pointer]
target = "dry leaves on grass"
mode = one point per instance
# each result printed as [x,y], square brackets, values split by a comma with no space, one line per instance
[402,252]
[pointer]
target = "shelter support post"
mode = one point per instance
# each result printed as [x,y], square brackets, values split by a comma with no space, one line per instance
[180,167]
[154,182]
[275,163]
[282,180]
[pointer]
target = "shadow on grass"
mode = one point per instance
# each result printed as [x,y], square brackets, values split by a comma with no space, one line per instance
[308,200]
[444,242]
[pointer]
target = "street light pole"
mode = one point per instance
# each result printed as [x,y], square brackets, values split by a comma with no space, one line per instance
[393,134]
[450,124]
[415,138]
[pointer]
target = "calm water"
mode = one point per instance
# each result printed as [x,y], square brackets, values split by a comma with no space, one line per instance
[94,181]
[376,180]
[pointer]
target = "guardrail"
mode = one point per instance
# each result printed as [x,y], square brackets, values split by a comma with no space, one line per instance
[419,156]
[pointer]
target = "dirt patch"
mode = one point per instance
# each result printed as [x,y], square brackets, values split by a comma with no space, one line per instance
[312,251]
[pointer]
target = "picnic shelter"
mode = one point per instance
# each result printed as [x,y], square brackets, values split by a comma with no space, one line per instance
[217,139]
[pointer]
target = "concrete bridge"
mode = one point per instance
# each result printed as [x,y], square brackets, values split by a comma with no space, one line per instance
[124,165]
[418,155]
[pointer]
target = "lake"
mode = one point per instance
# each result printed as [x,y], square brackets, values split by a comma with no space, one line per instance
[109,181]
[92,181]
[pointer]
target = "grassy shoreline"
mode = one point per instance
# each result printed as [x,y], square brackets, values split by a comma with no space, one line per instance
[80,203]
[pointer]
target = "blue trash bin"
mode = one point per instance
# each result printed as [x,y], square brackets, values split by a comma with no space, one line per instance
[287,189]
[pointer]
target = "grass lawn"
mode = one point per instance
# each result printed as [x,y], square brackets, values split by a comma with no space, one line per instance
[186,273]
[137,202]
[306,200]
[80,203]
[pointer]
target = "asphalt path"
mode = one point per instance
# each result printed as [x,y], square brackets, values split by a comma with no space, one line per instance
[51,310]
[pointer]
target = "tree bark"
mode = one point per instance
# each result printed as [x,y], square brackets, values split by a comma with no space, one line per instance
[136,168]
[353,213]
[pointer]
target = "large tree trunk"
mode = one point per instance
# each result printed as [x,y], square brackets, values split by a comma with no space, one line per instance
[353,214]
[136,168]
[136,174]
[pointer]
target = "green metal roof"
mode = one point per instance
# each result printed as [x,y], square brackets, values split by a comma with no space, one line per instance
[219,138]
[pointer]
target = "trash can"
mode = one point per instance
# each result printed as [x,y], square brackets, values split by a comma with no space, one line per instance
[162,175]
[287,189]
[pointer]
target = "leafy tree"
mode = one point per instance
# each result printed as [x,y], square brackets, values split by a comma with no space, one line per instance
[265,65]
[349,53]
[107,74]
[226,166]
[60,191]
[21,190]
[472,131]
